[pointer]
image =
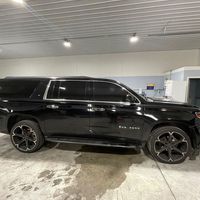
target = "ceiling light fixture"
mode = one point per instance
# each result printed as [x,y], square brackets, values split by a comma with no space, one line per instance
[19,1]
[67,43]
[134,38]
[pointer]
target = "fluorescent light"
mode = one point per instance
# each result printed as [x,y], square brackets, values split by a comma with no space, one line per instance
[134,38]
[67,43]
[19,1]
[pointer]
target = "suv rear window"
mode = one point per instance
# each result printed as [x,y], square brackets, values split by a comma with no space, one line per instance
[71,90]
[17,88]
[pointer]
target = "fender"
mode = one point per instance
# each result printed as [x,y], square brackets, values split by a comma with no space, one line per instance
[16,117]
[189,128]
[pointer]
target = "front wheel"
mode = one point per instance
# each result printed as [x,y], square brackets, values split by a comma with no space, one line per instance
[169,144]
[26,136]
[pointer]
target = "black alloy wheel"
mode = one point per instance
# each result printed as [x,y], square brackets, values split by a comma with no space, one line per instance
[26,136]
[169,145]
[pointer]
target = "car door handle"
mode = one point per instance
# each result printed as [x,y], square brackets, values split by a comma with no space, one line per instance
[99,109]
[52,106]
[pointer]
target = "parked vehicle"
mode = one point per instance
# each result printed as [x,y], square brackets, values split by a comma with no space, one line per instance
[95,111]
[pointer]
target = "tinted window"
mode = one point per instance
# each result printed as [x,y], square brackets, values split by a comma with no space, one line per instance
[75,90]
[103,91]
[53,90]
[17,88]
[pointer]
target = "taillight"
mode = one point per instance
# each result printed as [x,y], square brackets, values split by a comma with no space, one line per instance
[197,114]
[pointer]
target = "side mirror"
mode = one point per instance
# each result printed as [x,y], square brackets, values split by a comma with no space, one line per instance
[129,98]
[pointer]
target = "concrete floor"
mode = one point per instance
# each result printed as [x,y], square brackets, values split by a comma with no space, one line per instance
[73,172]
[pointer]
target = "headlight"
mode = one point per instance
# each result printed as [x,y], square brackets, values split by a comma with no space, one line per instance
[197,114]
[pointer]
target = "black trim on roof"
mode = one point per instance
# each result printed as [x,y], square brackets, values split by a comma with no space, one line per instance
[59,78]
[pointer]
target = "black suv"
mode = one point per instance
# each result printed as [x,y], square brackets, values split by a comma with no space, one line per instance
[95,111]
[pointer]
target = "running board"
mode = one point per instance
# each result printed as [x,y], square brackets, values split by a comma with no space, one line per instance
[92,142]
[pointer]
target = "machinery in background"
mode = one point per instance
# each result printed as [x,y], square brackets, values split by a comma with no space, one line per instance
[183,85]
[154,93]
[194,91]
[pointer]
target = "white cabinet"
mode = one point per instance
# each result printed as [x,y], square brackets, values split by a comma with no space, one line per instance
[176,90]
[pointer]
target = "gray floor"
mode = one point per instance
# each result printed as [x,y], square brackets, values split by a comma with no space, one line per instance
[68,172]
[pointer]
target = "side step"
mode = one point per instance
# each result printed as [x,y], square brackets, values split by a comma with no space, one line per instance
[93,142]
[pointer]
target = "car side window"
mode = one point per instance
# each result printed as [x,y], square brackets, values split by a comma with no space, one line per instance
[105,91]
[17,88]
[72,90]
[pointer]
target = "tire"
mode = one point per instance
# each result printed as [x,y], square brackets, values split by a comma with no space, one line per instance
[26,136]
[169,144]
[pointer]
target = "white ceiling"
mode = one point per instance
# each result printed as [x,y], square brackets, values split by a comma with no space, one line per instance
[96,26]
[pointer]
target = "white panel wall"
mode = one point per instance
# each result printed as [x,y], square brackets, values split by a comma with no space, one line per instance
[125,64]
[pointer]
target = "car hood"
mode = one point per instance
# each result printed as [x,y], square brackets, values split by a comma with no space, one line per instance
[173,104]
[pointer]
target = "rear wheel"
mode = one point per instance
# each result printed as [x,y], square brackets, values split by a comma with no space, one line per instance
[26,136]
[169,144]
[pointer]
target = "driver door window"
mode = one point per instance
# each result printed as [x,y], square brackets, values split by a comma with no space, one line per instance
[105,91]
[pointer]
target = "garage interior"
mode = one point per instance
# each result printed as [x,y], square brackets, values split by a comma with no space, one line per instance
[152,46]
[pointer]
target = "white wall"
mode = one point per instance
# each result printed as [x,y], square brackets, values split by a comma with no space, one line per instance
[125,64]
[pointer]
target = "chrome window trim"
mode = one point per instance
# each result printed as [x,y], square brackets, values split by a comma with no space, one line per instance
[46,90]
[89,101]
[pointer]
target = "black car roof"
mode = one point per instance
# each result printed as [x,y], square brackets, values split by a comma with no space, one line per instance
[25,78]
[58,78]
[85,78]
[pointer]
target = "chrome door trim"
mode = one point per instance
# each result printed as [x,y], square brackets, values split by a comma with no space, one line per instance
[90,101]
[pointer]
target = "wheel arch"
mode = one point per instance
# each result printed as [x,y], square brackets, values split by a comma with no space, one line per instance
[182,125]
[13,119]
